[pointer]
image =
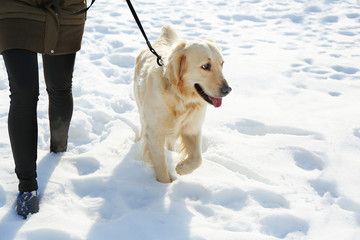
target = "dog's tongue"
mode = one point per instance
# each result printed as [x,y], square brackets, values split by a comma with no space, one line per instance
[216,101]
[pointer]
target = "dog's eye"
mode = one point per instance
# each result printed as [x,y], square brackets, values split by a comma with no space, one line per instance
[206,67]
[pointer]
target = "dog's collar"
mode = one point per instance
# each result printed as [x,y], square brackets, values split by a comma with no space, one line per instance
[170,84]
[165,76]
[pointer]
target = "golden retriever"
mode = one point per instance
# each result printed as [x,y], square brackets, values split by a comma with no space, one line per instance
[172,99]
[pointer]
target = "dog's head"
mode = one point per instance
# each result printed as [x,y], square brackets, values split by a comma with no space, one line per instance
[195,72]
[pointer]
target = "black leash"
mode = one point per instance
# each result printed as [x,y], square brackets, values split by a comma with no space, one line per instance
[159,60]
[57,5]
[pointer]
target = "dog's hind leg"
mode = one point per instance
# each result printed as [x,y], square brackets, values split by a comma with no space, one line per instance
[192,149]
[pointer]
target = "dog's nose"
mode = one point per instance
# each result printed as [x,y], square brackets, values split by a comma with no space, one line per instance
[225,90]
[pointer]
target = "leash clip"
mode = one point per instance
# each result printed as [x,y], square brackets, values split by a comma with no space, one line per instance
[159,60]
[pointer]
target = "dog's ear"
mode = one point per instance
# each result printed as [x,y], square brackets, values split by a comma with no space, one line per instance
[176,64]
[214,43]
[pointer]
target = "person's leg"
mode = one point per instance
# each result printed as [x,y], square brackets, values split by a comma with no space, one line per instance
[58,72]
[22,69]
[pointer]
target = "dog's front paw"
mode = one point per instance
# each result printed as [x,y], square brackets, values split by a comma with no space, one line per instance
[164,179]
[187,166]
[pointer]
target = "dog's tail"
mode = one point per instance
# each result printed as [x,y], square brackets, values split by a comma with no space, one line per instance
[168,35]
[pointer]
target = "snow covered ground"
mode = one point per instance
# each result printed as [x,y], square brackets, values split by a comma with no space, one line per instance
[281,155]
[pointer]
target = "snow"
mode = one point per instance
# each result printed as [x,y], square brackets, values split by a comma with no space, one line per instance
[280,156]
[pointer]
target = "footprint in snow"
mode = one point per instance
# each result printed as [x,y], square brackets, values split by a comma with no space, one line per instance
[86,165]
[255,128]
[349,205]
[122,106]
[250,18]
[308,61]
[313,9]
[295,18]
[176,22]
[334,94]
[357,132]
[221,3]
[125,196]
[116,44]
[346,70]
[269,199]
[281,225]
[330,19]
[204,210]
[347,33]
[108,71]
[123,61]
[324,186]
[338,76]
[234,199]
[191,191]
[307,160]
[224,17]
[353,15]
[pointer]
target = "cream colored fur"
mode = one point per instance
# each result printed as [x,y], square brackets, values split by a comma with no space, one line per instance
[170,107]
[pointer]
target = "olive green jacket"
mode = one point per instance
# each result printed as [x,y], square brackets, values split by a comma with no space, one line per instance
[38,26]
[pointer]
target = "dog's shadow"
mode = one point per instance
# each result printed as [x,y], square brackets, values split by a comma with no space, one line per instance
[134,205]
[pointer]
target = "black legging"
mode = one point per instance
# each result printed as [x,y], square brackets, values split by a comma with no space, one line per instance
[22,69]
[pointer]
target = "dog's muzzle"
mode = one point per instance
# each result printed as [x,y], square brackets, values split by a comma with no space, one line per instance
[216,101]
[225,90]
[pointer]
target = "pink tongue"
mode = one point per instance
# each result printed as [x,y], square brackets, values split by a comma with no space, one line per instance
[216,101]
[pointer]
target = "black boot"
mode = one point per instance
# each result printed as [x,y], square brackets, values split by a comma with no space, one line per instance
[27,203]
